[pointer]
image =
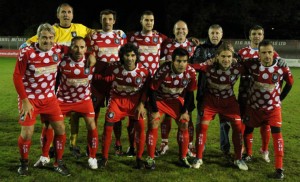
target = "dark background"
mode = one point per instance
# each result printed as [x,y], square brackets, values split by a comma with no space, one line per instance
[281,19]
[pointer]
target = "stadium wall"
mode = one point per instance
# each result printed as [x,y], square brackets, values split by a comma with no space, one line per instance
[287,49]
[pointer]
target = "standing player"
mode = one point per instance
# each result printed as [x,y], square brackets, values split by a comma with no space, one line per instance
[220,99]
[65,30]
[105,44]
[256,35]
[149,45]
[74,91]
[202,53]
[180,31]
[264,99]
[169,83]
[129,79]
[34,79]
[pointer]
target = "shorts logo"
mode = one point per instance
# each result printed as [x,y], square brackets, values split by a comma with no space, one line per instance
[110,115]
[275,77]
[74,34]
[117,41]
[55,57]
[155,39]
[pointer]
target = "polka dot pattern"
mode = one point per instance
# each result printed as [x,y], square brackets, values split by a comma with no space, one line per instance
[41,70]
[106,45]
[220,83]
[132,81]
[74,83]
[266,85]
[170,85]
[171,45]
[149,48]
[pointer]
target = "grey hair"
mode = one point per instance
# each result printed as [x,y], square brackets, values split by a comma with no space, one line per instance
[45,27]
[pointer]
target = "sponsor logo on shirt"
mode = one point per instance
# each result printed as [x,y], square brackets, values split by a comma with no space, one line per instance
[77,82]
[45,70]
[74,34]
[264,86]
[148,49]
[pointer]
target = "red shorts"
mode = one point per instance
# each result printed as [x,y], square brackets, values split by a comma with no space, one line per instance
[172,107]
[256,118]
[228,108]
[48,109]
[84,107]
[120,107]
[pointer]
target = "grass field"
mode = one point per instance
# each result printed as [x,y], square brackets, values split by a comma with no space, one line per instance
[215,167]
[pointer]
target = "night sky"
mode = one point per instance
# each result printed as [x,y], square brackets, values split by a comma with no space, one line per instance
[281,19]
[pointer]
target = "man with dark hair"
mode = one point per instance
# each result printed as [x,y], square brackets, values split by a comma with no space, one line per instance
[256,35]
[149,43]
[169,82]
[129,79]
[105,44]
[264,99]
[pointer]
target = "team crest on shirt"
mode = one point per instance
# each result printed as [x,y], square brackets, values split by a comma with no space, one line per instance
[138,80]
[117,41]
[189,49]
[185,82]
[274,77]
[110,115]
[74,34]
[155,39]
[86,70]
[55,57]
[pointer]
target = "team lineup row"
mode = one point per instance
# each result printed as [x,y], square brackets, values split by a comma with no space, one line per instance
[124,72]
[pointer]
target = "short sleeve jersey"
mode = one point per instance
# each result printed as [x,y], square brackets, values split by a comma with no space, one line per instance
[127,83]
[75,80]
[170,85]
[106,45]
[149,48]
[265,85]
[220,83]
[171,44]
[248,53]
[39,70]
